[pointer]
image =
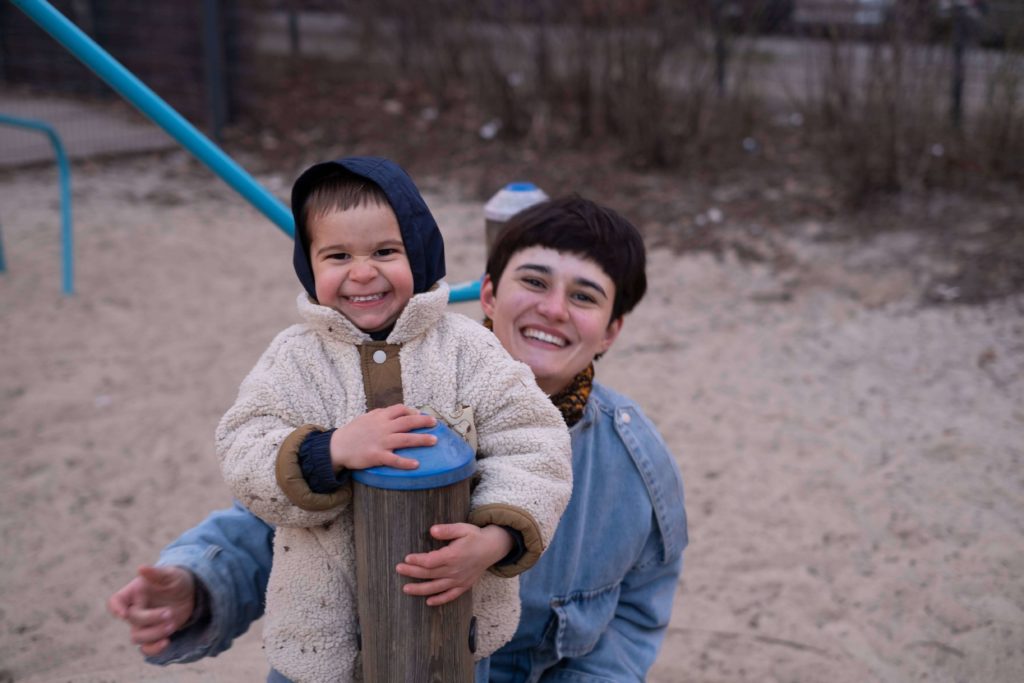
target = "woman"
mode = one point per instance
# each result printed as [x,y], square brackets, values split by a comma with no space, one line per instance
[561,278]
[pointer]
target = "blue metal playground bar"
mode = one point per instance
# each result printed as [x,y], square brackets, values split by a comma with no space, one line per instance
[149,103]
[64,171]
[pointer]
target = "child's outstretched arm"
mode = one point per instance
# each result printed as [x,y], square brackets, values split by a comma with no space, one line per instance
[447,573]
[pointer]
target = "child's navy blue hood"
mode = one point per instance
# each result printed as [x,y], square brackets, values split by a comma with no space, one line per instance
[420,234]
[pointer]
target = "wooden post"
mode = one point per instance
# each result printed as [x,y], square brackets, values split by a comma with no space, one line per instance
[507,202]
[402,639]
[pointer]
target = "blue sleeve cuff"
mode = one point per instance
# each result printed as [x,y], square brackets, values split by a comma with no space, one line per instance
[518,547]
[217,623]
[315,461]
[201,605]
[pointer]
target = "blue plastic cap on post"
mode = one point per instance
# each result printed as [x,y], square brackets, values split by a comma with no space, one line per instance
[521,187]
[448,461]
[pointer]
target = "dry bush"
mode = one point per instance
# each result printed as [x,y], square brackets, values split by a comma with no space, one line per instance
[645,77]
[881,117]
[573,72]
[998,128]
[636,74]
[640,74]
[878,115]
[426,41]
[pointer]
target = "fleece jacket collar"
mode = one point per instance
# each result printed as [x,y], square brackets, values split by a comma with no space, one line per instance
[420,314]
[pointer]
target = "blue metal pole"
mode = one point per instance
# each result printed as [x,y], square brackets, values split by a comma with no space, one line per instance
[64,171]
[467,291]
[149,103]
[66,236]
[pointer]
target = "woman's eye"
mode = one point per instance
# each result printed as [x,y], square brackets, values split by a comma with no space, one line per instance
[386,252]
[338,257]
[584,298]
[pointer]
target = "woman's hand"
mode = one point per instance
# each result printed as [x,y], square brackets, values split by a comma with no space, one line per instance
[156,603]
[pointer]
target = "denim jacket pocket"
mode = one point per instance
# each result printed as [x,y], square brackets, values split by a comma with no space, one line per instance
[582,618]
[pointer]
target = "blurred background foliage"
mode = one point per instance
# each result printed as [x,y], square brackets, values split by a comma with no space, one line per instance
[869,85]
[780,110]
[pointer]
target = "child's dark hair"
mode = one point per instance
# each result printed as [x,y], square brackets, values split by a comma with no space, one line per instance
[341,190]
[579,226]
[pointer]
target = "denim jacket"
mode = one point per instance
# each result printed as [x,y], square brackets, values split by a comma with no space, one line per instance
[594,608]
[597,604]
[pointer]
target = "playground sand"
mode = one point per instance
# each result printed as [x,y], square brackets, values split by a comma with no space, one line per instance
[852,458]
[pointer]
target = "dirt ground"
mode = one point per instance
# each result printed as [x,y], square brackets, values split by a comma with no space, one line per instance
[849,434]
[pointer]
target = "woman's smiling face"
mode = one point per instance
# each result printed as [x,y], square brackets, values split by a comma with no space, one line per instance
[551,310]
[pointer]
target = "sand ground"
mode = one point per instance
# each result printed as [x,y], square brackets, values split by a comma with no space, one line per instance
[852,459]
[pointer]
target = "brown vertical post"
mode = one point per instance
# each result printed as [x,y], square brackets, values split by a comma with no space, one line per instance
[402,639]
[507,202]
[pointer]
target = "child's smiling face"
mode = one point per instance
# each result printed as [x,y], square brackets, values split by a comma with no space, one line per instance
[360,267]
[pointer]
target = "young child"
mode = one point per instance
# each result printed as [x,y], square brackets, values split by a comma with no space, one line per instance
[342,390]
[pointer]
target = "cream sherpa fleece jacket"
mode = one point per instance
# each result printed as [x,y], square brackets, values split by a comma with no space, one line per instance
[311,374]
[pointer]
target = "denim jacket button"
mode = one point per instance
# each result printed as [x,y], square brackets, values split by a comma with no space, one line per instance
[625,417]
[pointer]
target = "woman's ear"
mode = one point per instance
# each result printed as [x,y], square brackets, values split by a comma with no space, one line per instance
[611,334]
[487,296]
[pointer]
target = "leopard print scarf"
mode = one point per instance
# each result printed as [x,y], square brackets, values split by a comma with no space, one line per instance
[572,400]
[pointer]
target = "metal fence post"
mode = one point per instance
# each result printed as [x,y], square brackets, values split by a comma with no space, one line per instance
[216,81]
[294,40]
[959,39]
[721,49]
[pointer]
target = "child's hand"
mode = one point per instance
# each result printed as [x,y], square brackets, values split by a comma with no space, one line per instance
[371,439]
[452,570]
[155,603]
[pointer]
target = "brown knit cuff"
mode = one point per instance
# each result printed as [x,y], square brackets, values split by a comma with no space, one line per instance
[520,520]
[294,484]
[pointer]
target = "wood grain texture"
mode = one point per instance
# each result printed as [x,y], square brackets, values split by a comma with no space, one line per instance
[404,640]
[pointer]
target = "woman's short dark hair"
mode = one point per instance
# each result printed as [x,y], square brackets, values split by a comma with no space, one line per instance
[578,226]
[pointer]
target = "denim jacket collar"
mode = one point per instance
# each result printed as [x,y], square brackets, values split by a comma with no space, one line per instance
[641,441]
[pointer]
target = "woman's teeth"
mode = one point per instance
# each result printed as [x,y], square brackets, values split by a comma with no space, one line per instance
[544,337]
